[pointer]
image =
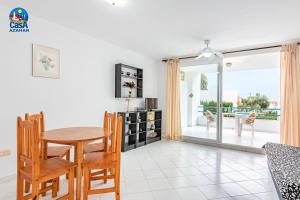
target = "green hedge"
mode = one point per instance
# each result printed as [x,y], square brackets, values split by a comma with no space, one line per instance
[227,108]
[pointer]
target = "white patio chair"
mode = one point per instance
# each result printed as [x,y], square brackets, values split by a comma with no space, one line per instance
[210,118]
[249,120]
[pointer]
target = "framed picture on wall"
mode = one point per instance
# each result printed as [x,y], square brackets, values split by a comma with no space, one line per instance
[45,61]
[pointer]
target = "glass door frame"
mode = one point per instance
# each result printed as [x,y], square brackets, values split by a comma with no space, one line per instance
[218,140]
[219,102]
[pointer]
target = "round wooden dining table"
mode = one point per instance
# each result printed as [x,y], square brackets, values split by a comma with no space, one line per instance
[75,136]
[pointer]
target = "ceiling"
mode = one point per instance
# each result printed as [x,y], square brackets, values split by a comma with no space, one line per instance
[239,63]
[167,28]
[253,62]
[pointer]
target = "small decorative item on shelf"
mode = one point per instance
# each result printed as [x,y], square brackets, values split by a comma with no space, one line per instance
[128,73]
[130,85]
[129,132]
[152,127]
[152,134]
[139,108]
[135,74]
[151,104]
[122,73]
[151,116]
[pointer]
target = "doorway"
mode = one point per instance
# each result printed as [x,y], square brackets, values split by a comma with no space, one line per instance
[200,100]
[233,102]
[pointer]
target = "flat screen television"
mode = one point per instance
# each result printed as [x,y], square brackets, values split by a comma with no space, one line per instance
[151,103]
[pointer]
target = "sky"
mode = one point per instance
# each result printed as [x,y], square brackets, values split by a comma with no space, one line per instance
[263,81]
[246,82]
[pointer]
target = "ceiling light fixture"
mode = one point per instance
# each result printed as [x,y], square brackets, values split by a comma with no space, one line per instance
[116,2]
[207,52]
[228,64]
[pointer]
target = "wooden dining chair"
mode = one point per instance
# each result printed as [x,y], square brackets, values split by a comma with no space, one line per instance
[98,146]
[32,169]
[109,118]
[52,151]
[108,160]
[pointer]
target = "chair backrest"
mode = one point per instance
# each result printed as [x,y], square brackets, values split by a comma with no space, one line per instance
[28,148]
[119,138]
[210,116]
[109,126]
[40,119]
[251,118]
[113,133]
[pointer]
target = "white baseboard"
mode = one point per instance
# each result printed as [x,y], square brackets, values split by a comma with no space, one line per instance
[222,145]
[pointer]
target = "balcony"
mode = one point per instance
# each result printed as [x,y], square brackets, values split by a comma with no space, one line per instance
[266,126]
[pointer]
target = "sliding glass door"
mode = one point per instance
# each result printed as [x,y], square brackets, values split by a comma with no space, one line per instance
[251,99]
[235,101]
[200,100]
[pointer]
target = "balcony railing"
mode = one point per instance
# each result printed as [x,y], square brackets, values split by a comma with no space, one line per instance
[228,111]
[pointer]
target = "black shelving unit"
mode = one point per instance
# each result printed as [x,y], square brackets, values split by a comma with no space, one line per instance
[125,73]
[140,128]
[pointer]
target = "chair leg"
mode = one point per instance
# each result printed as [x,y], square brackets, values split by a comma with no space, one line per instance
[105,174]
[68,159]
[240,129]
[44,185]
[27,187]
[75,160]
[35,190]
[54,188]
[90,174]
[207,127]
[86,180]
[117,183]
[58,184]
[20,187]
[113,171]
[71,184]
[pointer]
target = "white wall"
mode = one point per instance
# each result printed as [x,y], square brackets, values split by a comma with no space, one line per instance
[79,98]
[184,97]
[193,85]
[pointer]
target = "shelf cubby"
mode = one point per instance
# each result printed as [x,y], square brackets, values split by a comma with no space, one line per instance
[142,127]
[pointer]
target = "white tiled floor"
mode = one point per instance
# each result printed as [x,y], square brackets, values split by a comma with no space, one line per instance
[181,171]
[230,137]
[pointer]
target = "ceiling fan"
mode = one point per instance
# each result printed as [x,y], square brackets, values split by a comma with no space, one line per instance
[207,52]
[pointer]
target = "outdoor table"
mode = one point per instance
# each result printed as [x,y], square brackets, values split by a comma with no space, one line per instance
[238,124]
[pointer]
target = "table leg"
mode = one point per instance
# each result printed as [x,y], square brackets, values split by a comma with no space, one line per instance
[44,146]
[79,157]
[241,128]
[237,125]
[75,160]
